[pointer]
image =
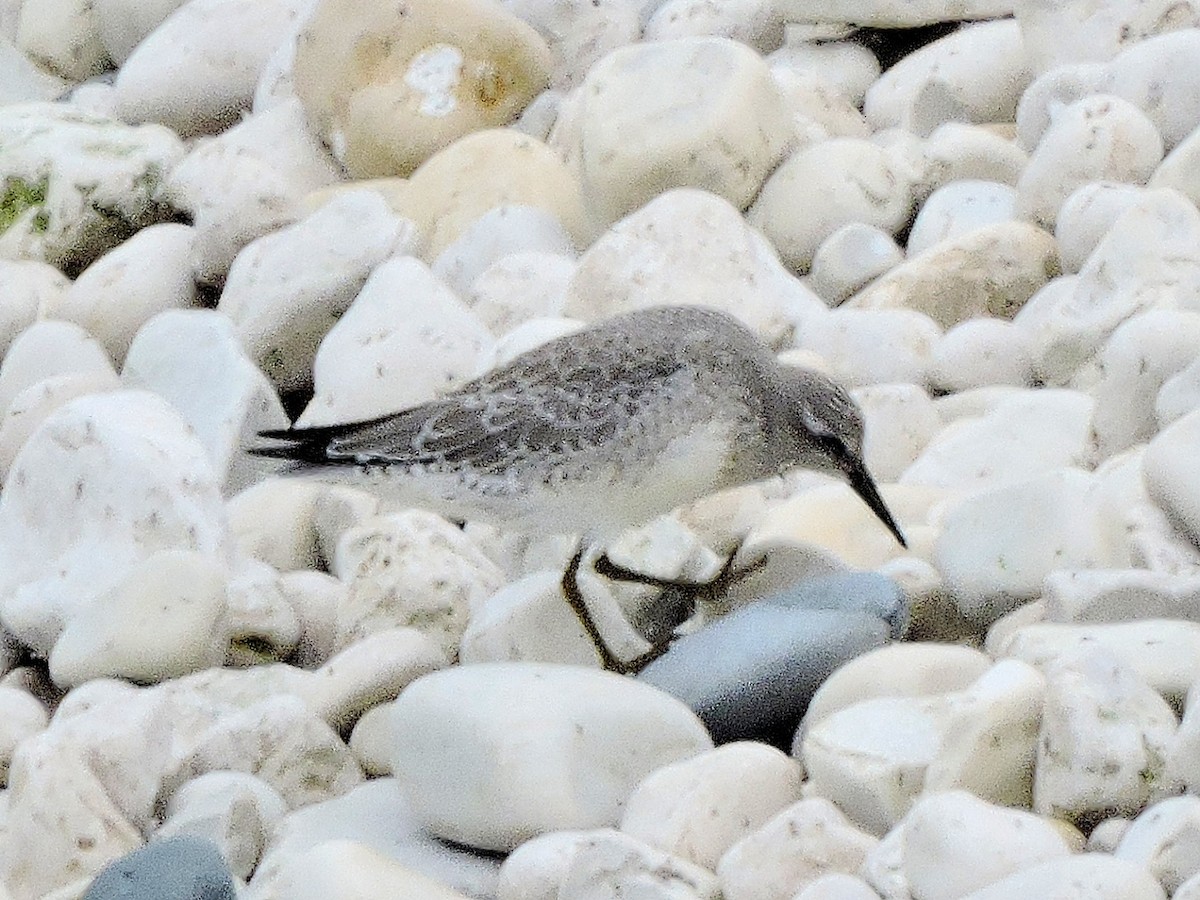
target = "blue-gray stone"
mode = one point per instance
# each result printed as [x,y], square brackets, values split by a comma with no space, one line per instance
[751,674]
[178,868]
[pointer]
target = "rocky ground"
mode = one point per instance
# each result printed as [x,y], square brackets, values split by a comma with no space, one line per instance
[220,215]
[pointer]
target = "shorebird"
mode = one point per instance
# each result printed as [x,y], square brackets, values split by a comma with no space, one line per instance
[598,431]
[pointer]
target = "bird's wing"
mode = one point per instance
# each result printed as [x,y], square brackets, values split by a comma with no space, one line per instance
[563,393]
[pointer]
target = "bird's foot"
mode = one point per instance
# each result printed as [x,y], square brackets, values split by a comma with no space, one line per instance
[714,587]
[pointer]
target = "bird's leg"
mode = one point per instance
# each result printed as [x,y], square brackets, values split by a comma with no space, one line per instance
[723,580]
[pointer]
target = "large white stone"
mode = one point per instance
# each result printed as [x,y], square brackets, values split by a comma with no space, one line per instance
[60,35]
[1179,395]
[248,181]
[30,286]
[1117,595]
[981,352]
[974,74]
[698,808]
[957,151]
[1165,839]
[955,843]
[1087,214]
[1104,738]
[688,247]
[1167,468]
[802,843]
[900,420]
[405,339]
[1178,169]
[46,349]
[958,208]
[106,482]
[1099,138]
[1160,76]
[1092,875]
[848,67]
[519,289]
[123,24]
[493,754]
[759,23]
[998,544]
[892,13]
[76,184]
[825,186]
[851,258]
[114,296]
[1026,432]
[192,358]
[287,289]
[21,717]
[863,347]
[607,863]
[411,568]
[579,32]
[716,121]
[196,71]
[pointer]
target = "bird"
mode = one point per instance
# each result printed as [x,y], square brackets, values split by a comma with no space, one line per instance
[598,431]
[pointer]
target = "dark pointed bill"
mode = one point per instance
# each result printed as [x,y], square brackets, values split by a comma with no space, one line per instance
[864,485]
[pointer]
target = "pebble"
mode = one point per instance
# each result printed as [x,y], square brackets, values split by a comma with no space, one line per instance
[901,419]
[450,729]
[608,863]
[1165,457]
[1089,874]
[851,258]
[48,349]
[960,207]
[848,339]
[1165,839]
[980,352]
[179,868]
[1087,214]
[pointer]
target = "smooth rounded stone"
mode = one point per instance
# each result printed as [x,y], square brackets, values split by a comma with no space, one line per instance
[1099,138]
[818,110]
[178,868]
[519,289]
[958,208]
[77,184]
[958,151]
[973,74]
[196,71]
[23,81]
[497,167]
[759,23]
[439,70]
[1091,875]
[1023,434]
[30,286]
[192,358]
[373,815]
[607,863]
[536,869]
[850,341]
[955,843]
[404,339]
[1107,835]
[21,716]
[1168,477]
[1087,214]
[752,672]
[804,842]
[371,672]
[700,807]
[147,274]
[1140,355]
[1053,91]
[837,886]
[579,33]
[876,757]
[897,670]
[1165,840]
[1182,766]
[1146,260]
[272,521]
[998,544]
[1104,739]
[73,523]
[411,568]
[1159,75]
[262,623]
[850,258]
[527,620]
[990,270]
[314,597]
[280,741]
[166,617]
[497,234]
[892,13]
[30,408]
[59,36]
[47,349]
[249,181]
[347,870]
[123,24]
[287,289]
[847,67]
[980,352]
[237,812]
[900,421]
[1178,169]
[1179,395]
[1118,595]
[371,741]
[523,338]
[688,247]
[452,728]
[883,868]
[717,121]
[1189,890]
[1093,30]
[825,186]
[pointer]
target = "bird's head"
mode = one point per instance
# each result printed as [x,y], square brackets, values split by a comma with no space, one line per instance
[825,426]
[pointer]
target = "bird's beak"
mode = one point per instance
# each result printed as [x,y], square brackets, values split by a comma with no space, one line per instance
[864,485]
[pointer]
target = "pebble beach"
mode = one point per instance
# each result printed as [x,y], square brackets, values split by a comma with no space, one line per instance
[223,217]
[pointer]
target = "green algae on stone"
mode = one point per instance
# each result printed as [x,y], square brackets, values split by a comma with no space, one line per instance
[19,195]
